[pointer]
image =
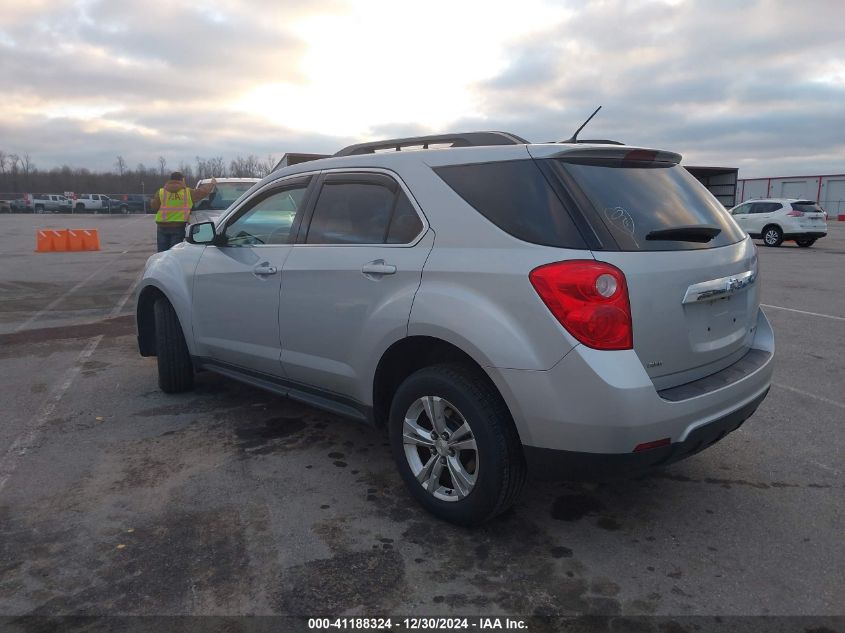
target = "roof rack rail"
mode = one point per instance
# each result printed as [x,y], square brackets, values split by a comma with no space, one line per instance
[596,141]
[461,139]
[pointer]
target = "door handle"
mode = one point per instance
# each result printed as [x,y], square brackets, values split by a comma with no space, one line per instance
[378,267]
[264,269]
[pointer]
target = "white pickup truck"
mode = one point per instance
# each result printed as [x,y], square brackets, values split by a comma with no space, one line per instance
[95,202]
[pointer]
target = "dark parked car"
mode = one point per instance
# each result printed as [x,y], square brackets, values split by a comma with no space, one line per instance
[13,203]
[129,203]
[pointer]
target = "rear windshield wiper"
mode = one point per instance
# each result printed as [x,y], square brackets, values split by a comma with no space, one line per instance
[699,233]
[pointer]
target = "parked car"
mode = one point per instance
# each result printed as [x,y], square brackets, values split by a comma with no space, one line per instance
[777,219]
[50,203]
[95,202]
[14,202]
[224,194]
[129,203]
[500,308]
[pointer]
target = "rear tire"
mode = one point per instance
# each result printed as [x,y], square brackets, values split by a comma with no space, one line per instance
[39,209]
[805,243]
[175,369]
[495,462]
[772,236]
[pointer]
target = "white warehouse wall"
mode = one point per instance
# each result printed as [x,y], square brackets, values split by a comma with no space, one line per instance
[828,191]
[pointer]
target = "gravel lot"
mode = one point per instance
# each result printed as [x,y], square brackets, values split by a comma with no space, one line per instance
[118,499]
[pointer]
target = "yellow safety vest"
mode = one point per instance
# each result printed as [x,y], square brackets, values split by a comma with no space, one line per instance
[175,205]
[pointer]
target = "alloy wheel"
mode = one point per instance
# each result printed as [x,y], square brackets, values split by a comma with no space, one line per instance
[440,448]
[771,237]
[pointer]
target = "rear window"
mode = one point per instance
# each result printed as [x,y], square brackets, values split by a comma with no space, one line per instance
[807,206]
[633,198]
[515,196]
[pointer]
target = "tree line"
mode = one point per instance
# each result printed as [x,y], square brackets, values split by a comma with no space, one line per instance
[18,173]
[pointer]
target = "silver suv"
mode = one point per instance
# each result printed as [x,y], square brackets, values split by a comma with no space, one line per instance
[500,308]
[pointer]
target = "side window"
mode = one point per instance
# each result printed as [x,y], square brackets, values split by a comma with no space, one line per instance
[516,197]
[405,224]
[742,209]
[351,213]
[269,221]
[765,207]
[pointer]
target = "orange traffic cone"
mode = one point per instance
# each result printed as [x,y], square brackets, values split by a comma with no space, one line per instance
[51,240]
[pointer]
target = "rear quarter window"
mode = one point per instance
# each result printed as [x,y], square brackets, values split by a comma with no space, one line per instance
[517,198]
[633,198]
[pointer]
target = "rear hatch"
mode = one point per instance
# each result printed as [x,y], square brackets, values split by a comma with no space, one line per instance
[812,216]
[690,270]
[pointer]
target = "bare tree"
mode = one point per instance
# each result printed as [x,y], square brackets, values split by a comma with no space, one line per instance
[121,165]
[217,167]
[162,165]
[13,168]
[3,160]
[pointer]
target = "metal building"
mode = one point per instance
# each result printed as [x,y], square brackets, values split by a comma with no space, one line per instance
[827,190]
[721,181]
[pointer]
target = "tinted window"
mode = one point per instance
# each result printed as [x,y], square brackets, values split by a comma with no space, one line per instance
[269,221]
[351,213]
[634,198]
[741,209]
[806,206]
[405,224]
[515,196]
[765,207]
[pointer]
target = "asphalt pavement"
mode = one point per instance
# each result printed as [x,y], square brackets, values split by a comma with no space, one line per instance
[118,499]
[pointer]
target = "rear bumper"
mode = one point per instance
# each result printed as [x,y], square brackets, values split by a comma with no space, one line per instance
[605,404]
[544,463]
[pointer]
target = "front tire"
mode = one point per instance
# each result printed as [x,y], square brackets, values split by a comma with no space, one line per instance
[475,468]
[772,236]
[175,369]
[805,243]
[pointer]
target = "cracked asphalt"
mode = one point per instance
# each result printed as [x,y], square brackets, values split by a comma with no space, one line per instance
[118,499]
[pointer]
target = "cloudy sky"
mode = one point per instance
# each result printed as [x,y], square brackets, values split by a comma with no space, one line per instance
[758,84]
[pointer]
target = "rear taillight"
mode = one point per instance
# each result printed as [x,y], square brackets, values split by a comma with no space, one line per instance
[795,214]
[590,299]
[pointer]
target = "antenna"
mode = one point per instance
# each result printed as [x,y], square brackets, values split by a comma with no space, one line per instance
[574,137]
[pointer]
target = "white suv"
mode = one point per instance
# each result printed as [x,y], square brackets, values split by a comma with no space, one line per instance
[777,219]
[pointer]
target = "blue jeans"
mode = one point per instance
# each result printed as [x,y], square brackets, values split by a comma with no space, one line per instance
[168,236]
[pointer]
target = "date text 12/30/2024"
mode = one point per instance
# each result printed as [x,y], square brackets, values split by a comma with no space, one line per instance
[417,624]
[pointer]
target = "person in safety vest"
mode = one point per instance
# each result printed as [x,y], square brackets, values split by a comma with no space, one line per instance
[172,205]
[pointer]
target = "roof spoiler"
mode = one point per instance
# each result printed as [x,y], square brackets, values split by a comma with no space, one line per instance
[619,154]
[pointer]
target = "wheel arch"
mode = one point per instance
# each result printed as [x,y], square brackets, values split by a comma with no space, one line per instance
[145,318]
[412,353]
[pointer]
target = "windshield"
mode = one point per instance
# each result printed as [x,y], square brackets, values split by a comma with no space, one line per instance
[226,193]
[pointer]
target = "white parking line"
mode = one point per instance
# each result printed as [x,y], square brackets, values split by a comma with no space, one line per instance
[834,403]
[825,316]
[129,292]
[26,441]
[58,300]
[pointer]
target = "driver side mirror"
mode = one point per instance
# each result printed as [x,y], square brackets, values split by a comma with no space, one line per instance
[202,233]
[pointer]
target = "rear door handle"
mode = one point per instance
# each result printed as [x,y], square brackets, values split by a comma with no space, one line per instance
[378,267]
[264,269]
